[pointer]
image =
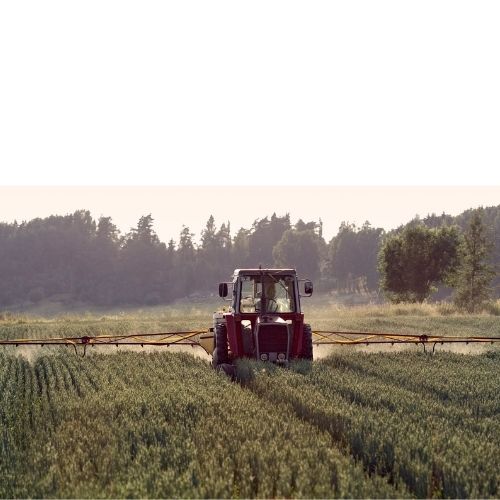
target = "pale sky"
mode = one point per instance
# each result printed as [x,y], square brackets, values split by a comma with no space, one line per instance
[171,207]
[350,95]
[356,92]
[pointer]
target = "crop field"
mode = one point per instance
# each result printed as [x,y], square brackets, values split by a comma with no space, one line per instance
[355,423]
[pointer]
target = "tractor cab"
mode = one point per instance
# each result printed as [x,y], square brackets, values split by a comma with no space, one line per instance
[267,294]
[264,320]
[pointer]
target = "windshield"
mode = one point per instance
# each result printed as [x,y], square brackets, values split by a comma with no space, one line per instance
[267,294]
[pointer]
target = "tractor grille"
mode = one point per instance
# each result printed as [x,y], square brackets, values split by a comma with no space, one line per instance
[272,337]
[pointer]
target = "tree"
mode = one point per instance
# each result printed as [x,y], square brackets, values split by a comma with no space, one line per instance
[474,275]
[224,245]
[300,225]
[263,238]
[240,249]
[106,230]
[343,256]
[412,262]
[144,275]
[208,240]
[144,231]
[369,242]
[352,257]
[185,264]
[104,259]
[300,250]
[214,255]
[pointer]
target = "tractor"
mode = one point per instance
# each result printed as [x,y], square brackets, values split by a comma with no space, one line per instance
[264,320]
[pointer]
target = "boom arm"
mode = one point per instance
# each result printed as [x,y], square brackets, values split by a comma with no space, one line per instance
[196,338]
[154,339]
[322,337]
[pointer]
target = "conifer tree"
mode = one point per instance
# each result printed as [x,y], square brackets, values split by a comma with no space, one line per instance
[475,273]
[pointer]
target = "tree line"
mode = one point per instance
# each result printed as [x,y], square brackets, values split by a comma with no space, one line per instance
[74,258]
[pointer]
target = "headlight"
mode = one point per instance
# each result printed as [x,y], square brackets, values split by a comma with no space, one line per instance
[264,357]
[281,356]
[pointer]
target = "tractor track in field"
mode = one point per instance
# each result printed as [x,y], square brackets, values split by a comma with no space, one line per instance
[298,412]
[335,429]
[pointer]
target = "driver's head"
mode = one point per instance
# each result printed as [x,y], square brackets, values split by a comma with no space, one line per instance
[270,289]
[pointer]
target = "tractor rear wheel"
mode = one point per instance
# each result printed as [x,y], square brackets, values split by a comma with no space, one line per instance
[307,346]
[220,355]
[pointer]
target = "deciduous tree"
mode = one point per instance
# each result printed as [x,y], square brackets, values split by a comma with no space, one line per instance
[413,262]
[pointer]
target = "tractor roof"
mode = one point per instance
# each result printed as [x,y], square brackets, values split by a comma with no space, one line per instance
[257,272]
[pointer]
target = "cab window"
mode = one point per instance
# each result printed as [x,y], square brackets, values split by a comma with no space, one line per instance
[267,294]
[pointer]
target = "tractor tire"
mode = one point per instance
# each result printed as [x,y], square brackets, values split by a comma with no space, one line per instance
[227,369]
[307,346]
[220,355]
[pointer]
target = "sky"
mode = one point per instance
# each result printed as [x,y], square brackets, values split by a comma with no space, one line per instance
[271,93]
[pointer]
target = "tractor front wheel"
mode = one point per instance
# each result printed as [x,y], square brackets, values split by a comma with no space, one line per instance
[220,355]
[307,346]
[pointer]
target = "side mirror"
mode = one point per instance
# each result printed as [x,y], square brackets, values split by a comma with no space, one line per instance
[308,288]
[222,290]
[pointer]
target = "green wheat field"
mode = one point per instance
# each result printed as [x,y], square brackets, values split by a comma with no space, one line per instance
[357,422]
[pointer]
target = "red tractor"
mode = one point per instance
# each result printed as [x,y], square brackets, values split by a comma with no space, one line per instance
[264,320]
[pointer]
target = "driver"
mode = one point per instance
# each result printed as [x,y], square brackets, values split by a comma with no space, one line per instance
[270,295]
